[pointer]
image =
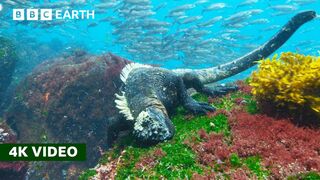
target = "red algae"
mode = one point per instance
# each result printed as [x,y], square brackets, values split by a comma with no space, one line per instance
[11,170]
[150,161]
[284,148]
[243,87]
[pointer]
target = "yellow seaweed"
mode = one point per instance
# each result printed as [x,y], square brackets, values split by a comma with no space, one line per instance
[292,80]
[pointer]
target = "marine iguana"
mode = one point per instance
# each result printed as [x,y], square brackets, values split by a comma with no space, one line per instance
[149,94]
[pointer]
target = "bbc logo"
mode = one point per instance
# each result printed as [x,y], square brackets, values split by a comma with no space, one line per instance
[32,14]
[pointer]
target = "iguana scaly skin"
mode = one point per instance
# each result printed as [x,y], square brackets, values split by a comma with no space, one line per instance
[150,94]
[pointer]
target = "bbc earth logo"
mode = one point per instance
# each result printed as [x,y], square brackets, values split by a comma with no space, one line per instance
[50,14]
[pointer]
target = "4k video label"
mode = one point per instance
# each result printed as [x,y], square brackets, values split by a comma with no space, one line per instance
[42,152]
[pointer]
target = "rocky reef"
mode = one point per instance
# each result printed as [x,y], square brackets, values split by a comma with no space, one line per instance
[69,100]
[8,60]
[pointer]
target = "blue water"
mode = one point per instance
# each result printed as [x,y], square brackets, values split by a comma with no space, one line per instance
[75,34]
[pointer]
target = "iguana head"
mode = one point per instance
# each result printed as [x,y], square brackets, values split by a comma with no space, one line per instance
[153,125]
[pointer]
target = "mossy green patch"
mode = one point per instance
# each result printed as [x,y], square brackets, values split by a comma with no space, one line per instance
[87,174]
[230,101]
[247,80]
[226,103]
[129,159]
[235,161]
[220,125]
[306,176]
[254,164]
[186,128]
[180,162]
[252,107]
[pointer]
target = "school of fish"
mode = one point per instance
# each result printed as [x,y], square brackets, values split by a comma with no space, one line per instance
[193,33]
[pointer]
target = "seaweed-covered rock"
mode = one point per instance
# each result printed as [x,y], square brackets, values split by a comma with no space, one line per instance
[11,170]
[8,60]
[69,100]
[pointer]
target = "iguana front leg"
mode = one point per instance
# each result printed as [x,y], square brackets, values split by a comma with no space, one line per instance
[219,89]
[190,104]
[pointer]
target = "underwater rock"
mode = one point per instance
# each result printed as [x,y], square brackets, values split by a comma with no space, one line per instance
[11,170]
[69,100]
[8,60]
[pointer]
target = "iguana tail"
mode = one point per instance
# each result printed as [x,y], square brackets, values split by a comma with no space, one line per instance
[223,71]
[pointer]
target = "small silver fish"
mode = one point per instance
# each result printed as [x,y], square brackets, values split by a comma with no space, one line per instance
[105,5]
[210,22]
[214,6]
[160,6]
[140,14]
[190,19]
[270,28]
[284,8]
[183,8]
[259,21]
[176,14]
[137,2]
[10,2]
[302,2]
[91,25]
[247,3]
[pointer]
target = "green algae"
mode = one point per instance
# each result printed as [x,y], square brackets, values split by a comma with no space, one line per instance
[306,176]
[254,164]
[87,174]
